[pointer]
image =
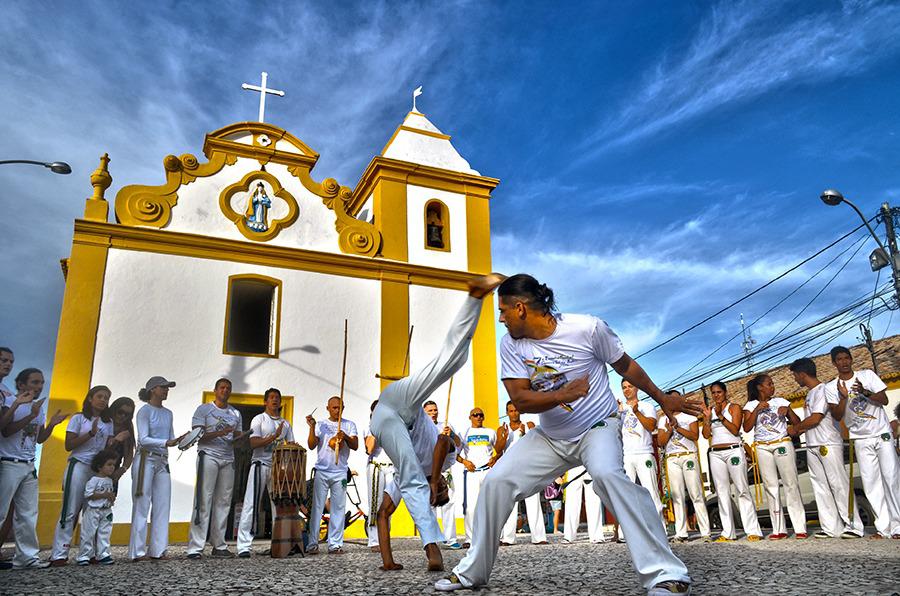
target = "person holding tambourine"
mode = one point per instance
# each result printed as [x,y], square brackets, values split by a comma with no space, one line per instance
[150,477]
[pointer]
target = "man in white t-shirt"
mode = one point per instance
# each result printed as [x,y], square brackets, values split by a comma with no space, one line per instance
[406,432]
[22,421]
[479,453]
[510,433]
[555,365]
[825,456]
[336,435]
[861,397]
[215,472]
[379,474]
[267,431]
[446,513]
[578,488]
[679,437]
[638,423]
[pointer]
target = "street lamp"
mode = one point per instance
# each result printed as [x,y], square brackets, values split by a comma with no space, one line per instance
[880,257]
[57,167]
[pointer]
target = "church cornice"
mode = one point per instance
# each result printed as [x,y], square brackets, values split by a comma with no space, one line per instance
[207,247]
[385,168]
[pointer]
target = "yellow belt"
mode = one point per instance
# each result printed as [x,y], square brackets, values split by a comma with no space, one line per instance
[757,477]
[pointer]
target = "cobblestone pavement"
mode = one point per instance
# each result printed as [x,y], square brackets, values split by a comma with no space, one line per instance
[786,567]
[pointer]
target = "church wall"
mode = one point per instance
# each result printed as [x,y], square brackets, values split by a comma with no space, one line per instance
[432,310]
[164,315]
[198,210]
[458,256]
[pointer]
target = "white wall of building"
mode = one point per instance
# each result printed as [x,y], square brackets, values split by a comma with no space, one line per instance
[164,315]
[458,256]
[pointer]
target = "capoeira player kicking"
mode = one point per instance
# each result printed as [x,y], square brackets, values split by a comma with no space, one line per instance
[555,365]
[410,438]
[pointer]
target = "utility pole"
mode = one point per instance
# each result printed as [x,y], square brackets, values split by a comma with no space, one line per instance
[870,345]
[888,216]
[747,345]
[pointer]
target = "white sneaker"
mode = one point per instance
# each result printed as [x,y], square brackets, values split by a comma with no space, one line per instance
[33,564]
[448,584]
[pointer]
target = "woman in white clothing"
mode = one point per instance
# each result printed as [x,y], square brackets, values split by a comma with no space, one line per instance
[728,463]
[768,416]
[150,479]
[87,434]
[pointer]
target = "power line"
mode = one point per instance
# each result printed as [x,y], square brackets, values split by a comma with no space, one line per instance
[862,238]
[756,291]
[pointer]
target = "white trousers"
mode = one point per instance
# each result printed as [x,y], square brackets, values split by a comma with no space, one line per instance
[96,528]
[324,484]
[472,482]
[592,505]
[642,466]
[75,478]
[535,522]
[19,485]
[446,514]
[728,467]
[685,482]
[831,486]
[780,459]
[378,476]
[256,485]
[212,503]
[152,505]
[401,402]
[881,480]
[533,464]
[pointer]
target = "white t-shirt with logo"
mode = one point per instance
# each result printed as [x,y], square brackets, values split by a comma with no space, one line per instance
[635,438]
[264,425]
[769,425]
[80,425]
[98,484]
[21,445]
[325,430]
[213,419]
[678,443]
[478,445]
[828,431]
[580,346]
[863,417]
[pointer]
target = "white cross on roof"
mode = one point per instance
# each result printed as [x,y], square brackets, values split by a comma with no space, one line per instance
[263,90]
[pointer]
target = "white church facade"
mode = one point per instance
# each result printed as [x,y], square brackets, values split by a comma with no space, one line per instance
[242,265]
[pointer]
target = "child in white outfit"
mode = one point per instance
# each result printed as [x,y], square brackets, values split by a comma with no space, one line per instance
[96,518]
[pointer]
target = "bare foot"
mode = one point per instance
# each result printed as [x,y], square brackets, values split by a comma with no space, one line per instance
[391,567]
[482,286]
[435,558]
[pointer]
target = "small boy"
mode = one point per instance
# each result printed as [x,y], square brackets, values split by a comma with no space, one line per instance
[96,519]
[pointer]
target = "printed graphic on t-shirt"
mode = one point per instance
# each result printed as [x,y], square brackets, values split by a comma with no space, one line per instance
[858,404]
[478,440]
[545,376]
[769,420]
[630,424]
[29,434]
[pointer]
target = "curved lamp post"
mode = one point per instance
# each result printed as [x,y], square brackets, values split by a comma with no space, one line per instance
[57,167]
[881,256]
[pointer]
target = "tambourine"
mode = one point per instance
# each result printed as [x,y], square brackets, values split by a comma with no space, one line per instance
[191,438]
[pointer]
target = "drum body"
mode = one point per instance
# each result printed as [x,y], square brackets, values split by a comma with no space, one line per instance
[287,489]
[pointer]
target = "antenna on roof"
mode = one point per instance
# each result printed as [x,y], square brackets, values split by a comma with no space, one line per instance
[747,345]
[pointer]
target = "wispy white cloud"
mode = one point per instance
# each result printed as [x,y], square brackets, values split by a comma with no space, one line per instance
[744,50]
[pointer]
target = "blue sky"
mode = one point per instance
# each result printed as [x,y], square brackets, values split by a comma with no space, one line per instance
[658,160]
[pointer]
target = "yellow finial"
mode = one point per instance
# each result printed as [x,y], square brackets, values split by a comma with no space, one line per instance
[96,208]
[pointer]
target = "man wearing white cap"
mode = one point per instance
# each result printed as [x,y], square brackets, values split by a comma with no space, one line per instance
[221,424]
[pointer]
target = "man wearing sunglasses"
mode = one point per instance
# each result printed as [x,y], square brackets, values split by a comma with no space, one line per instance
[479,450]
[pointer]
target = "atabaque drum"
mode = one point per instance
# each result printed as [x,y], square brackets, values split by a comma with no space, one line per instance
[287,489]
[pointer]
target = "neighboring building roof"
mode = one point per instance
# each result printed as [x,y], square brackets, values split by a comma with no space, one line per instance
[887,355]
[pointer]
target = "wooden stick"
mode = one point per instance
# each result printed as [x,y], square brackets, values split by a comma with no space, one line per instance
[408,344]
[447,409]
[337,452]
